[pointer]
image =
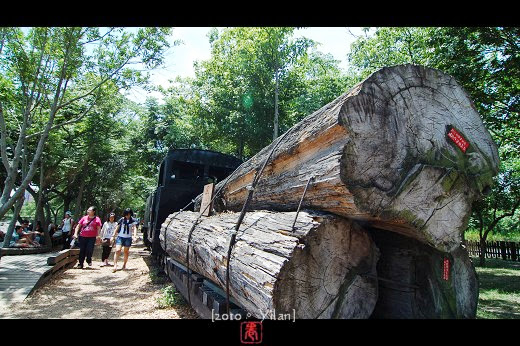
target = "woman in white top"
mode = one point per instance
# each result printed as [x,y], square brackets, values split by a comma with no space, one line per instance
[106,235]
[66,226]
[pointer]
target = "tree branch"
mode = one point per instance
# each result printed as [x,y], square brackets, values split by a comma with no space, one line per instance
[103,81]
[3,141]
[497,219]
[72,121]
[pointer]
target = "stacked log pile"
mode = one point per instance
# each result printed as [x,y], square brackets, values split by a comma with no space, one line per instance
[404,151]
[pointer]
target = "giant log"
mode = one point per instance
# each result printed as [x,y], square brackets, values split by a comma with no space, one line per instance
[325,268]
[417,281]
[405,150]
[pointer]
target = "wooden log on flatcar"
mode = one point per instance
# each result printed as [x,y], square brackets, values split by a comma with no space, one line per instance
[405,150]
[417,281]
[324,269]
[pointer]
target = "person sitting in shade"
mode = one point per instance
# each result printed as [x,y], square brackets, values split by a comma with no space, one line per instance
[37,233]
[21,239]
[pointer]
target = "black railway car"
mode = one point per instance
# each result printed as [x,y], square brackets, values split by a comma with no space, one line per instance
[182,176]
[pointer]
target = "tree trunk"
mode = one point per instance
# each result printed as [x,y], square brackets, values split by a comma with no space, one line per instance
[324,269]
[483,249]
[275,130]
[10,228]
[45,222]
[382,153]
[39,215]
[66,204]
[78,211]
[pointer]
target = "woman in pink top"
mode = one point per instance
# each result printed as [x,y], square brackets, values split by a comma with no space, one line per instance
[88,230]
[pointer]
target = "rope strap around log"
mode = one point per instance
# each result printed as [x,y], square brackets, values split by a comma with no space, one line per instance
[251,190]
[301,200]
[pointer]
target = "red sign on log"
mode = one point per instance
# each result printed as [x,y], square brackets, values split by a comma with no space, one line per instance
[457,138]
[446,270]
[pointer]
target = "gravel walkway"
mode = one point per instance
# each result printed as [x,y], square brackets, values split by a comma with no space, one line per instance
[97,292]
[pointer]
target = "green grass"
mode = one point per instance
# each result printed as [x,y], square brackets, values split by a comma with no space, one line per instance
[155,276]
[499,293]
[170,298]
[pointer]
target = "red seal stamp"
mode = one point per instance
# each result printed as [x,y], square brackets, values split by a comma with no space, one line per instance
[251,332]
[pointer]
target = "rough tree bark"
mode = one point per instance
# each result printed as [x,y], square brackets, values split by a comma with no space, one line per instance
[324,269]
[380,154]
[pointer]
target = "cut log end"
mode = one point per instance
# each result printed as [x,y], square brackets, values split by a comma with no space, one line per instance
[418,281]
[331,276]
[403,159]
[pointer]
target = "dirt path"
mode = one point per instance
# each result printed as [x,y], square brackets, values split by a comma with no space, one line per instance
[97,292]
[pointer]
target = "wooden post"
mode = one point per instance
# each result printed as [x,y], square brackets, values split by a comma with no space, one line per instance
[207,197]
[503,250]
[513,251]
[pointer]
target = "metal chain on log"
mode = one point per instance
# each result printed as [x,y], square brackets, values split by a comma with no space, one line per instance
[251,189]
[301,200]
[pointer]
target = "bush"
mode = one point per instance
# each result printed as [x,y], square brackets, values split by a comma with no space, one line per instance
[170,297]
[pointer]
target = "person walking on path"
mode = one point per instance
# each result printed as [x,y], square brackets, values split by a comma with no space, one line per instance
[124,230]
[67,224]
[106,238]
[88,230]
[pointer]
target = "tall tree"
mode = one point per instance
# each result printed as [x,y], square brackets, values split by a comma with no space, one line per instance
[46,71]
[248,90]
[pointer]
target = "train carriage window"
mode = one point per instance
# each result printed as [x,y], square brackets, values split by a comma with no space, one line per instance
[186,171]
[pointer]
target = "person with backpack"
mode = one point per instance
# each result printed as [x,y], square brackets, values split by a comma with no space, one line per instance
[88,230]
[124,231]
[67,224]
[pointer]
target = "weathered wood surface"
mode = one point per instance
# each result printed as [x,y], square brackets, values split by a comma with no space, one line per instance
[10,251]
[19,276]
[380,154]
[52,260]
[319,270]
[414,282]
[207,199]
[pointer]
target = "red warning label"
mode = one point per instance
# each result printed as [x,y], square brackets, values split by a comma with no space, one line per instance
[457,138]
[446,270]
